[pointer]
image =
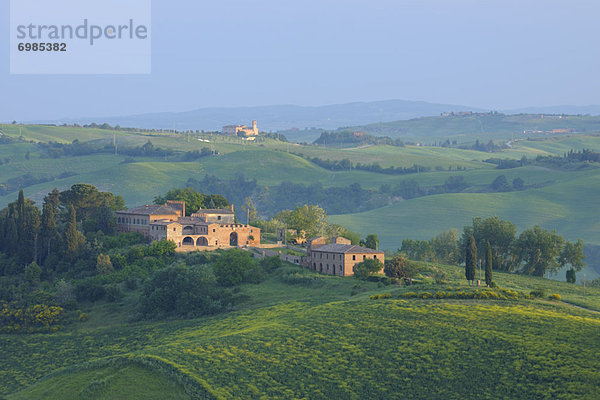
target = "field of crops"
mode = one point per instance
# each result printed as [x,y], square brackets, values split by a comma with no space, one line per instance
[376,349]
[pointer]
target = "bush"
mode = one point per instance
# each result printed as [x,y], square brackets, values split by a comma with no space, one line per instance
[366,268]
[182,291]
[104,265]
[37,318]
[131,283]
[161,248]
[89,291]
[555,297]
[399,267]
[33,272]
[380,296]
[538,293]
[234,267]
[64,293]
[270,264]
[113,293]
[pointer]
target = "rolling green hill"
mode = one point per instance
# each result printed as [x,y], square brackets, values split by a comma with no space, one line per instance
[482,126]
[320,340]
[553,197]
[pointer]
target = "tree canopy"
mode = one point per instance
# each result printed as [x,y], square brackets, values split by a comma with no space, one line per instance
[193,199]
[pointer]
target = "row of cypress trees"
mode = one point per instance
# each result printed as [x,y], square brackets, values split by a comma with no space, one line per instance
[471,262]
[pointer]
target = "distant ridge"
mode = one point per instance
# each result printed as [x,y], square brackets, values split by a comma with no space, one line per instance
[280,117]
[564,109]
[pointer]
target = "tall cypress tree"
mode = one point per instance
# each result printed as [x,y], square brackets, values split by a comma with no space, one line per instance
[471,259]
[73,238]
[48,230]
[488,265]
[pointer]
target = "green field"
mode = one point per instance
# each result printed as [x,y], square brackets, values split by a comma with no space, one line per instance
[478,126]
[561,199]
[321,341]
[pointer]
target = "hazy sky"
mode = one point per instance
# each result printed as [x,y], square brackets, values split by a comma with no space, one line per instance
[485,53]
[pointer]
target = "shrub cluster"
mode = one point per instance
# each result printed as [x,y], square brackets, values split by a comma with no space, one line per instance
[37,318]
[503,294]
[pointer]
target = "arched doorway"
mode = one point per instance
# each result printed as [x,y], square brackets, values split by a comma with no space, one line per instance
[188,241]
[233,239]
[202,241]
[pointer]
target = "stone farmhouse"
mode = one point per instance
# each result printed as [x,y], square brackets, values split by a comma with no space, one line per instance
[339,257]
[240,130]
[206,229]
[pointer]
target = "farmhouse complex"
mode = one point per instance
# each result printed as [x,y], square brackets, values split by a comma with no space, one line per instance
[205,229]
[211,229]
[240,130]
[339,257]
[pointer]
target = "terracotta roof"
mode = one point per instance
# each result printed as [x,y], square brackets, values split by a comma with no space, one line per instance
[346,248]
[214,211]
[152,209]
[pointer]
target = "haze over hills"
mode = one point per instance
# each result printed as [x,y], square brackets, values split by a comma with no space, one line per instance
[280,117]
[376,117]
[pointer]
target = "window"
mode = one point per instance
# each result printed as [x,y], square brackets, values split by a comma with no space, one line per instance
[214,230]
[219,218]
[375,256]
[364,257]
[354,258]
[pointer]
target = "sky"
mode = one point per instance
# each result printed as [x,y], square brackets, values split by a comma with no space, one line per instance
[492,54]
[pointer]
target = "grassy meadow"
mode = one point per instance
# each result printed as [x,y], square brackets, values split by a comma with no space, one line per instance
[323,337]
[553,198]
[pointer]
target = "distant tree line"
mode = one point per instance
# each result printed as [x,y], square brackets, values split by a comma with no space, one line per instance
[272,199]
[77,148]
[571,157]
[335,200]
[489,147]
[494,242]
[350,138]
[347,165]
[19,182]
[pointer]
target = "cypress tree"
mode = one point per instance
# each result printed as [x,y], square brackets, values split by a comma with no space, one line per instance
[488,265]
[471,259]
[72,235]
[48,229]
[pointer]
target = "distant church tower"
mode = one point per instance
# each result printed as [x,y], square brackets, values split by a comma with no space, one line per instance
[255,127]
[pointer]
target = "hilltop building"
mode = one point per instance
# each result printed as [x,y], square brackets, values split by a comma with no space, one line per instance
[206,229]
[338,257]
[240,130]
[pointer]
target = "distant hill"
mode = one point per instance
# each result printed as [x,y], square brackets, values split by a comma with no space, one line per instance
[468,127]
[280,117]
[563,109]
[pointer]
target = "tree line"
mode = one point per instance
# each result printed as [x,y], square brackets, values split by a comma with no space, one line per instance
[494,243]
